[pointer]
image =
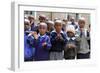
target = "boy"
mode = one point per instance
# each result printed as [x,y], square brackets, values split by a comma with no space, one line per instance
[29,49]
[32,24]
[83,52]
[42,43]
[42,18]
[65,23]
[50,27]
[58,40]
[70,48]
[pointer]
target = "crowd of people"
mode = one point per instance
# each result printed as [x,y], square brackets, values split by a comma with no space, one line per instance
[55,39]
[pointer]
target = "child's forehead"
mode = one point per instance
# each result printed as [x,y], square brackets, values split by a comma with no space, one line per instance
[70,32]
[81,21]
[58,24]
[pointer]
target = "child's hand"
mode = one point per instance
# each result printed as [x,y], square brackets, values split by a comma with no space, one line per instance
[71,46]
[44,44]
[59,36]
[35,35]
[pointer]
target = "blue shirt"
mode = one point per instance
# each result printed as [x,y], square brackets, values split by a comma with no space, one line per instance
[57,44]
[29,49]
[42,53]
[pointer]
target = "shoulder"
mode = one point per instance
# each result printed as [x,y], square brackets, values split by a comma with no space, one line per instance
[64,33]
[52,33]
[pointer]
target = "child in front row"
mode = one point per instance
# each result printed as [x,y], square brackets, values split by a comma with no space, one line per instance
[29,49]
[70,48]
[42,43]
[83,50]
[58,40]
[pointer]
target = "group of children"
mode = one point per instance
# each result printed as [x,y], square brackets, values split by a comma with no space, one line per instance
[55,40]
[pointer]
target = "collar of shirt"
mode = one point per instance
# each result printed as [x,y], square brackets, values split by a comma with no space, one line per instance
[73,38]
[41,35]
[56,32]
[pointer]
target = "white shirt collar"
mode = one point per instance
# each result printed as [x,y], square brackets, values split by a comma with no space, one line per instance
[42,35]
[56,32]
[73,38]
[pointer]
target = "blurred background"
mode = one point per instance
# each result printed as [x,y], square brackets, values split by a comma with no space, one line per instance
[60,15]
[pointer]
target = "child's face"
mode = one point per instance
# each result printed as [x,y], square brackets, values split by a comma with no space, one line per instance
[70,34]
[50,25]
[58,27]
[26,26]
[31,20]
[81,24]
[42,30]
[42,19]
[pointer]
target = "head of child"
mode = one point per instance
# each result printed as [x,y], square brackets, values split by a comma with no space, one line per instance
[81,22]
[42,28]
[65,20]
[26,24]
[58,26]
[70,31]
[42,18]
[31,18]
[72,19]
[50,25]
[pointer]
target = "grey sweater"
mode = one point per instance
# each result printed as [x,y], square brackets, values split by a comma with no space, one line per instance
[83,46]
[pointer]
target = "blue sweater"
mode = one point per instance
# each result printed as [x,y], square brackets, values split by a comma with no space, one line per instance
[42,53]
[29,49]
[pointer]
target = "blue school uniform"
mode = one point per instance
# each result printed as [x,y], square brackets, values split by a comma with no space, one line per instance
[34,27]
[57,45]
[42,53]
[29,49]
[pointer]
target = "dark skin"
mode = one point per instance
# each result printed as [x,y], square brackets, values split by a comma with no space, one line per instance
[50,26]
[42,19]
[26,25]
[70,34]
[58,28]
[81,23]
[42,31]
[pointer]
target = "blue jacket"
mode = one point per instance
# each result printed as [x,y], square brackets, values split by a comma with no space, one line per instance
[42,53]
[34,27]
[29,49]
[57,44]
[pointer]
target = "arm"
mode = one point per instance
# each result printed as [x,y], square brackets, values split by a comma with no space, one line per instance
[53,38]
[47,44]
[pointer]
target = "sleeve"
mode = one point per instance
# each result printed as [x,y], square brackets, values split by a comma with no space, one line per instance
[53,38]
[30,41]
[48,46]
[64,40]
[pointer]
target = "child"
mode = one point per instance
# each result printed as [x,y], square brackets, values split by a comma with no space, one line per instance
[83,52]
[42,43]
[42,18]
[32,24]
[50,27]
[29,49]
[70,48]
[65,23]
[58,40]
